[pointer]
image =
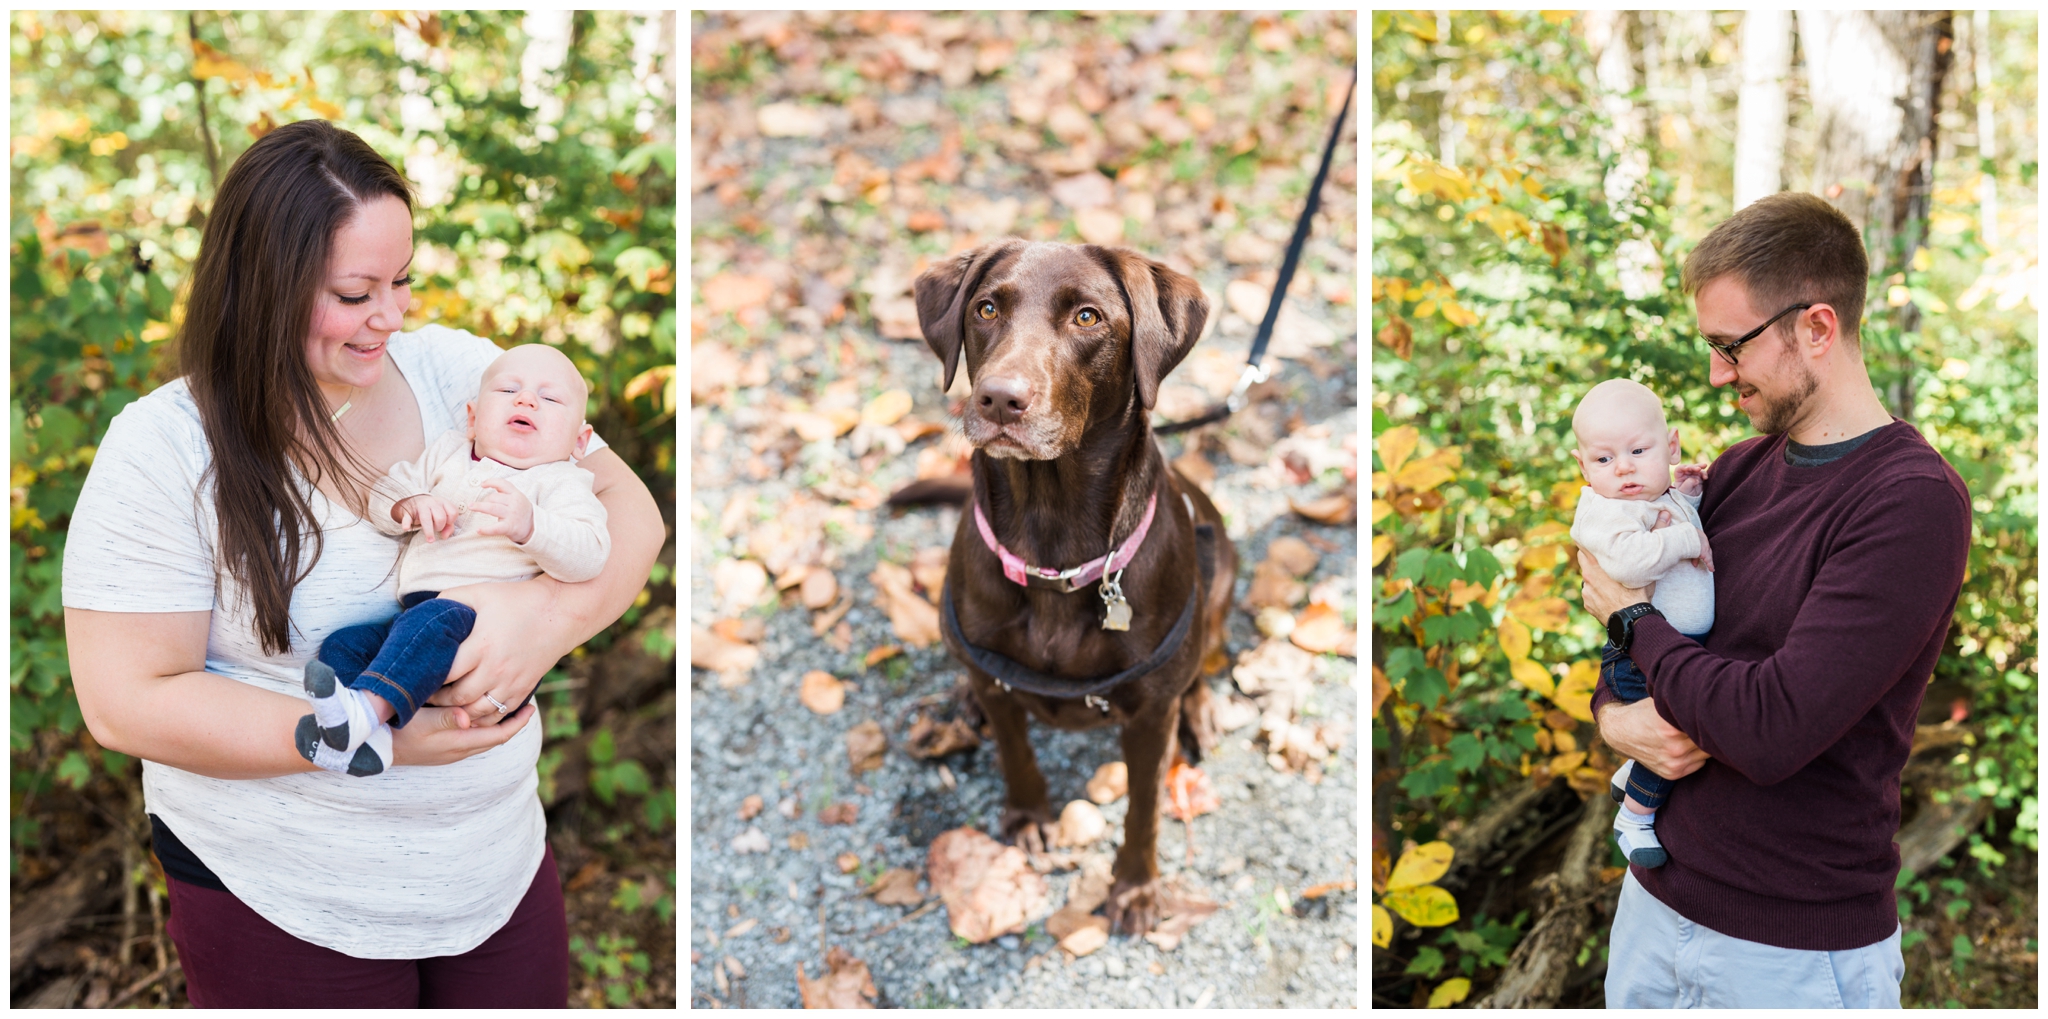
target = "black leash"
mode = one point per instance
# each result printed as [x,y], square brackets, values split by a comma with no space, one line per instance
[1252,372]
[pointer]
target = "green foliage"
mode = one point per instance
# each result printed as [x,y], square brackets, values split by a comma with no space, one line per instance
[617,966]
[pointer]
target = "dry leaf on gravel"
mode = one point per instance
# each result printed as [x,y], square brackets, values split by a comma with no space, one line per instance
[930,738]
[1080,825]
[864,746]
[895,887]
[1274,621]
[1233,713]
[1087,938]
[1099,226]
[745,631]
[739,583]
[881,654]
[1341,508]
[730,659]
[1110,782]
[1089,889]
[1273,587]
[1182,911]
[1188,792]
[912,429]
[989,888]
[928,568]
[1196,468]
[753,840]
[734,292]
[819,588]
[911,617]
[1293,555]
[749,807]
[847,862]
[839,813]
[1321,629]
[822,692]
[844,984]
[788,120]
[886,409]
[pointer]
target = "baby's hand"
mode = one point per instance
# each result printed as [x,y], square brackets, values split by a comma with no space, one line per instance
[1706,556]
[1691,478]
[514,512]
[435,515]
[1663,520]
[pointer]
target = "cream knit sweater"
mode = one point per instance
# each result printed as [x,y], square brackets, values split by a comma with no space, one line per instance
[1618,533]
[569,540]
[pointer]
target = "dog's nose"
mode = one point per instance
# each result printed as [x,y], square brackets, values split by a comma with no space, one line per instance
[1002,399]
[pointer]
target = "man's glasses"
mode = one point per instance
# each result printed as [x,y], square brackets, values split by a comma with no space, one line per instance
[1727,350]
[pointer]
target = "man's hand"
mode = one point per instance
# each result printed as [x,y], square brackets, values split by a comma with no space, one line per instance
[435,515]
[1638,731]
[1706,556]
[1691,478]
[1602,595]
[512,510]
[1663,519]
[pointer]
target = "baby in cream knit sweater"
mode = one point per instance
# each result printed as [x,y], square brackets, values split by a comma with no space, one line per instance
[502,500]
[1643,529]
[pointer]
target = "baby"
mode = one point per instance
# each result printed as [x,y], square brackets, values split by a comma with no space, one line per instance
[513,465]
[1628,518]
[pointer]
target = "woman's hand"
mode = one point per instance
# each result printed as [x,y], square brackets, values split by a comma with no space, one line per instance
[519,636]
[439,736]
[1602,595]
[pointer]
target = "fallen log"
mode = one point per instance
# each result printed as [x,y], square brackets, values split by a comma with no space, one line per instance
[1535,974]
[90,884]
[1937,830]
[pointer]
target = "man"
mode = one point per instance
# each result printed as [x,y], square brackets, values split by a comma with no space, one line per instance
[1839,539]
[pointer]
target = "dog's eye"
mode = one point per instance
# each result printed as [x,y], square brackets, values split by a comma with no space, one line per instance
[1088,317]
[986,309]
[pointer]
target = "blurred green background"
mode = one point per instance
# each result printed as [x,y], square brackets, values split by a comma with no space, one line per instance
[543,150]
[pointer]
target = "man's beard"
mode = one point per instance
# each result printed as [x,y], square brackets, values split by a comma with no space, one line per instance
[1776,416]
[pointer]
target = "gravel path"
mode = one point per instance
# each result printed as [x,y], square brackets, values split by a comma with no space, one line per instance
[775,910]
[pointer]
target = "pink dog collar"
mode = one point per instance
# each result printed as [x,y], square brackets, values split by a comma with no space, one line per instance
[1016,569]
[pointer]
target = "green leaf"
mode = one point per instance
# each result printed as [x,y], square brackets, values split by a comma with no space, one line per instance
[602,749]
[1439,570]
[1402,661]
[1436,629]
[1409,565]
[1389,614]
[1426,688]
[1481,567]
[1467,753]
[1428,962]
[73,770]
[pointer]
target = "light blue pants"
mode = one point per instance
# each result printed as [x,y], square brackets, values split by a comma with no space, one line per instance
[1659,959]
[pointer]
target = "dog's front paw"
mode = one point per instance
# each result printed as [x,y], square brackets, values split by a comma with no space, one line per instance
[1136,908]
[1029,830]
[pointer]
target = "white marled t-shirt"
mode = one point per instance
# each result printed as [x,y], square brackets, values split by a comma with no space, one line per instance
[433,859]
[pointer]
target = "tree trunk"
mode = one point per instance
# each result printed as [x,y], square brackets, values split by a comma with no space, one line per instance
[1760,109]
[1875,79]
[1987,130]
[1535,974]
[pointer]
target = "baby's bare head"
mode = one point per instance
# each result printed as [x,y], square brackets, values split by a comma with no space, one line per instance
[1624,450]
[530,409]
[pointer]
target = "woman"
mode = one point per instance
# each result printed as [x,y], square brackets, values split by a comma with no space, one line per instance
[219,538]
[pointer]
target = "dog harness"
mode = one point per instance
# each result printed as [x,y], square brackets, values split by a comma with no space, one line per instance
[1012,674]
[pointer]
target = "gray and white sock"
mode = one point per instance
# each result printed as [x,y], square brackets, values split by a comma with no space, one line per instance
[1637,836]
[345,716]
[370,757]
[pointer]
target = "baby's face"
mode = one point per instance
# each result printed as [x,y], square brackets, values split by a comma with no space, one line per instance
[530,410]
[1627,456]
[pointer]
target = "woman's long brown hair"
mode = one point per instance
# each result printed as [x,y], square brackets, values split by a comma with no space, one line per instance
[242,350]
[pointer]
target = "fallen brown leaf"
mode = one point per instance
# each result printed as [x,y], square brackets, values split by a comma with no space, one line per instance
[848,863]
[1318,891]
[746,631]
[1080,824]
[734,292]
[1321,629]
[844,984]
[882,654]
[1092,934]
[839,813]
[1189,794]
[822,692]
[1196,468]
[989,888]
[829,618]
[728,658]
[750,807]
[1293,555]
[928,568]
[739,583]
[865,745]
[930,738]
[911,617]
[1182,911]
[895,887]
[912,429]
[1273,587]
[799,841]
[887,409]
[924,221]
[819,588]
[1110,782]
[1341,508]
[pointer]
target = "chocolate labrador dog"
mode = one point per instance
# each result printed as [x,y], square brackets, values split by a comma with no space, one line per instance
[1090,580]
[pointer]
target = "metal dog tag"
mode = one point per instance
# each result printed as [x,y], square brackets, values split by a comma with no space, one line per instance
[1117,611]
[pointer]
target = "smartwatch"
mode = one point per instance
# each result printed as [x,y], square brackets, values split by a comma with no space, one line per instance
[1621,626]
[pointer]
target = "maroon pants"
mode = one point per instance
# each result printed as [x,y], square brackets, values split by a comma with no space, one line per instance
[234,958]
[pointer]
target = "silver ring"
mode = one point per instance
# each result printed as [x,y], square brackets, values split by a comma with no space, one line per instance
[502,709]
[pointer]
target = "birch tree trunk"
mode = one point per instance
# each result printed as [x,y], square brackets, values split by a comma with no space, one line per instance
[1987,129]
[1760,107]
[1638,266]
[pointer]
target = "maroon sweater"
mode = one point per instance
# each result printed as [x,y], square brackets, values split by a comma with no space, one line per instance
[1833,588]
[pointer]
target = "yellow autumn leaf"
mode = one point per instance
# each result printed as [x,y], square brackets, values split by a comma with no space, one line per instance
[1529,185]
[1380,481]
[1565,495]
[1564,741]
[887,409]
[1423,475]
[1506,222]
[1381,545]
[1396,445]
[1426,308]
[1463,594]
[1427,906]
[1542,557]
[1459,315]
[1575,694]
[1515,641]
[1546,614]
[1543,531]
[1382,926]
[1450,992]
[208,62]
[1380,509]
[1532,677]
[1563,764]
[1420,865]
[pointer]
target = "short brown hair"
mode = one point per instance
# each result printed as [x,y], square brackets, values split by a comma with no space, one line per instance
[1784,249]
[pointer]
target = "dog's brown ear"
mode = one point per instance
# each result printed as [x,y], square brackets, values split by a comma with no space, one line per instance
[1167,313]
[942,292]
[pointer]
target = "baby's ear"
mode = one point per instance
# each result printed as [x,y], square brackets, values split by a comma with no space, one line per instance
[1674,445]
[470,429]
[583,441]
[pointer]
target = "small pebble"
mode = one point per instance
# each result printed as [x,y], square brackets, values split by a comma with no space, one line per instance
[1114,966]
[1010,942]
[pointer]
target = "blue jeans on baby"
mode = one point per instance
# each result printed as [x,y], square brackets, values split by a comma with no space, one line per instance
[1629,684]
[404,659]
